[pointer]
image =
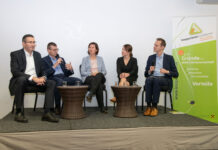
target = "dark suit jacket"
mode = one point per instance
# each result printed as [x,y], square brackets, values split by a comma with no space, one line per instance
[168,64]
[47,63]
[18,67]
[131,68]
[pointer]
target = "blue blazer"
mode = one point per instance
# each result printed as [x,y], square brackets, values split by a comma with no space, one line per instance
[86,67]
[49,70]
[168,64]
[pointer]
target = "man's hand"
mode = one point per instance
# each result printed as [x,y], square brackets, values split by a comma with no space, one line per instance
[39,81]
[164,71]
[58,62]
[69,66]
[152,68]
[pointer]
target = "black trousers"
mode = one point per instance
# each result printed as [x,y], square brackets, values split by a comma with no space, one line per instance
[96,85]
[153,88]
[23,85]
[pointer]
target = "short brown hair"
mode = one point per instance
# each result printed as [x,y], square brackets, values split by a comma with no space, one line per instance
[51,44]
[163,42]
[96,47]
[26,36]
[128,48]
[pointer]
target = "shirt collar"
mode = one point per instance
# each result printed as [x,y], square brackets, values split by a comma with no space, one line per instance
[52,58]
[161,56]
[27,54]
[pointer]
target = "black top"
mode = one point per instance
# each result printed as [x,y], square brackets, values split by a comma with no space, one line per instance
[131,68]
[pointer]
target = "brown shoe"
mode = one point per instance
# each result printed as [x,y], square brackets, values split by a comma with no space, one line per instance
[154,112]
[114,100]
[147,111]
[89,98]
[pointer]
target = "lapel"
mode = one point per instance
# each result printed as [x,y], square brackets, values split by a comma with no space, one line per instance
[89,62]
[23,58]
[36,63]
[49,61]
[62,65]
[154,59]
[98,63]
[164,61]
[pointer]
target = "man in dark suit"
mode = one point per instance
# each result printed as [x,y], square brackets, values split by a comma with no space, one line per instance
[159,72]
[56,69]
[28,74]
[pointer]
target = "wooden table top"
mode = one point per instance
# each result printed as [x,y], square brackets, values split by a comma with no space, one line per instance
[73,87]
[128,87]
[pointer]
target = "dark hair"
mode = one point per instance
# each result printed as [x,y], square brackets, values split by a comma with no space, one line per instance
[26,36]
[163,42]
[96,47]
[51,44]
[128,48]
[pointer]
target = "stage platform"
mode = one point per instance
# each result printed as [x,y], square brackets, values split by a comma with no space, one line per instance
[103,131]
[97,120]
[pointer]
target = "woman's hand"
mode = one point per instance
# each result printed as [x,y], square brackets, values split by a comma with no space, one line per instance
[126,75]
[122,75]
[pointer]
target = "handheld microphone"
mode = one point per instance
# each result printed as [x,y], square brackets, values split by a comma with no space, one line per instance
[58,56]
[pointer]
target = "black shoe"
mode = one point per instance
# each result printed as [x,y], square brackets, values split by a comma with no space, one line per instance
[20,118]
[104,111]
[57,111]
[89,97]
[49,117]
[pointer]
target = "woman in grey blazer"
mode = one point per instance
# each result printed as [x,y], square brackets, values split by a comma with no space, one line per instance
[93,74]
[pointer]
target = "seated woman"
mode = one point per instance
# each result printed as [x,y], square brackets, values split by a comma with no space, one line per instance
[93,74]
[127,68]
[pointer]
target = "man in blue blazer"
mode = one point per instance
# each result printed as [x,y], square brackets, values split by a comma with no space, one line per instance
[159,72]
[56,69]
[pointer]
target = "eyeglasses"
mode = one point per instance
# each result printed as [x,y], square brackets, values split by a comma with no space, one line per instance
[55,49]
[31,42]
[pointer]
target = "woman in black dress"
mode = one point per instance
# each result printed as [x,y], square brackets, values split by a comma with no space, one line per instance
[127,68]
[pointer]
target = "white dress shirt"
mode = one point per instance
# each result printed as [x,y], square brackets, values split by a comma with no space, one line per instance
[30,65]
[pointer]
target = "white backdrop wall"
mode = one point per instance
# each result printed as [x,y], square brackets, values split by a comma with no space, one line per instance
[72,24]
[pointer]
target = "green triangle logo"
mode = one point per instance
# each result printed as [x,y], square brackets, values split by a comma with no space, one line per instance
[194,29]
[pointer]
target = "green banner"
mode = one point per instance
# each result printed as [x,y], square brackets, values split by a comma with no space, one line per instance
[195,91]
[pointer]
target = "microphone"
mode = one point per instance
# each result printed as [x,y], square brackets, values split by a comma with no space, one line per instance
[58,56]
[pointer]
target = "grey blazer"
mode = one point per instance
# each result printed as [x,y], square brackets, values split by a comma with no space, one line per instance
[86,67]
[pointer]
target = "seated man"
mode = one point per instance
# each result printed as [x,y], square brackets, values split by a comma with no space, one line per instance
[28,73]
[159,72]
[56,69]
